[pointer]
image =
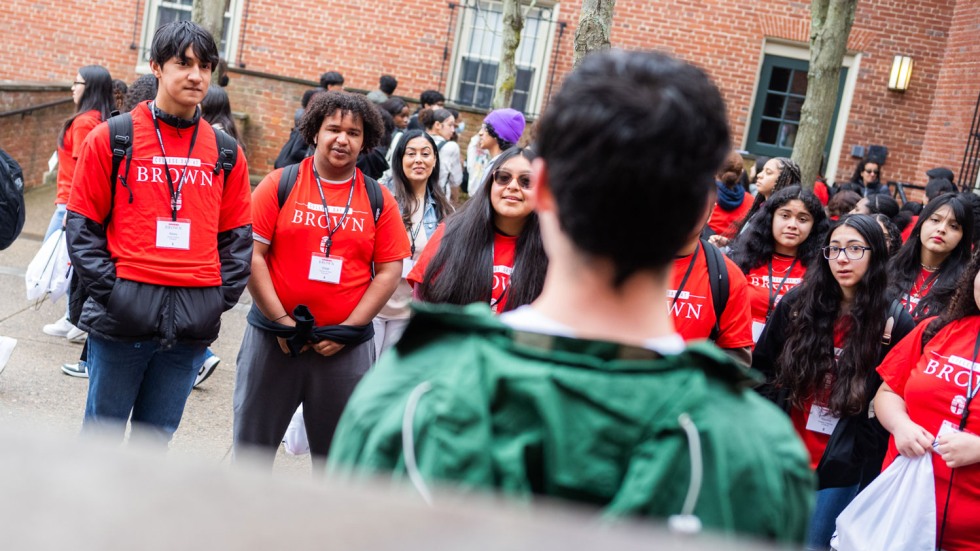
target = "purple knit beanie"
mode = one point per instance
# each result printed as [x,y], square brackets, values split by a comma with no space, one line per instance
[508,124]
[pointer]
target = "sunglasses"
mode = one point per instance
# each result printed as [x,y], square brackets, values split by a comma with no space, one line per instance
[504,178]
[872,171]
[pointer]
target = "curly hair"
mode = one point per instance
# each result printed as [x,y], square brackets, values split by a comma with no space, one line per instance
[755,246]
[893,234]
[789,175]
[808,353]
[358,106]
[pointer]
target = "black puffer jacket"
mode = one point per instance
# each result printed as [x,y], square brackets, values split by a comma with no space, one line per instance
[119,309]
[857,447]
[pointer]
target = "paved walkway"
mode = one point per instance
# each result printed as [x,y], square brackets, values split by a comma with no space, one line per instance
[34,391]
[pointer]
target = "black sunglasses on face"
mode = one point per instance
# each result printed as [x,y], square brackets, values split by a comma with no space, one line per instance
[503,178]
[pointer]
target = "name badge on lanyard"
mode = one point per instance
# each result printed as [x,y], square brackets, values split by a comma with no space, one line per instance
[326,269]
[757,327]
[821,420]
[173,234]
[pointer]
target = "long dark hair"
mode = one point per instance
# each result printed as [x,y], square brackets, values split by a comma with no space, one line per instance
[461,272]
[755,246]
[808,354]
[906,264]
[789,175]
[402,190]
[858,179]
[98,96]
[963,303]
[216,109]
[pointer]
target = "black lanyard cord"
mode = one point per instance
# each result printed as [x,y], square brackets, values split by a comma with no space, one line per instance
[773,295]
[174,190]
[326,211]
[414,234]
[687,274]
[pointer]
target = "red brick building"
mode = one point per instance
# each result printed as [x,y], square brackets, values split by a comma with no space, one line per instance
[755,51]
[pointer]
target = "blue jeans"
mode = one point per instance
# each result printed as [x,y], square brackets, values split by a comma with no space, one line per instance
[139,378]
[57,220]
[823,523]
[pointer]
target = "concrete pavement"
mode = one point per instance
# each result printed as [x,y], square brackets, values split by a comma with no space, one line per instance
[35,393]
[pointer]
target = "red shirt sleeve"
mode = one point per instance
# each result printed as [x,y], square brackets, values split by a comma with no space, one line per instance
[236,208]
[431,248]
[736,320]
[80,128]
[265,207]
[90,194]
[902,359]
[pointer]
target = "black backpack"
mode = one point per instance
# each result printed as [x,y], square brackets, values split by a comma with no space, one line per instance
[718,279]
[294,151]
[11,200]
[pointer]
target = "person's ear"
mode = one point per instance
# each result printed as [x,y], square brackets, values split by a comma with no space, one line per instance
[156,68]
[544,200]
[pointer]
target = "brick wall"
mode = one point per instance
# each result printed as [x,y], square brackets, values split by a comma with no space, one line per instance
[30,138]
[922,127]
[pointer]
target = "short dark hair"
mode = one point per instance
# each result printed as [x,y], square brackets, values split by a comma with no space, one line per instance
[387,84]
[326,104]
[939,186]
[331,78]
[142,89]
[431,97]
[173,39]
[308,95]
[658,128]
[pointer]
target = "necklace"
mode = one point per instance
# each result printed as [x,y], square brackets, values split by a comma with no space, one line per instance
[928,268]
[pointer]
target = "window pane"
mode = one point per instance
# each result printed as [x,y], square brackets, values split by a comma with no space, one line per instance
[774,106]
[799,83]
[484,95]
[519,101]
[466,92]
[793,107]
[779,81]
[471,70]
[488,73]
[523,80]
[787,135]
[768,131]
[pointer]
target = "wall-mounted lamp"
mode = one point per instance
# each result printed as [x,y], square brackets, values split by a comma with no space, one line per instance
[901,73]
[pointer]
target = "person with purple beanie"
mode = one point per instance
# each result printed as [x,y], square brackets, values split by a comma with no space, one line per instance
[501,130]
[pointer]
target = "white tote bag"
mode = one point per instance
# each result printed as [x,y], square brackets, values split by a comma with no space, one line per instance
[49,273]
[296,441]
[895,512]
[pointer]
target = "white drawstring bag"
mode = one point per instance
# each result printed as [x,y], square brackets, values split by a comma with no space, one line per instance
[896,511]
[49,273]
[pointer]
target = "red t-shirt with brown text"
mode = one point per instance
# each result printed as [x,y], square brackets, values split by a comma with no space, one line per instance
[786,274]
[297,233]
[815,440]
[693,312]
[934,381]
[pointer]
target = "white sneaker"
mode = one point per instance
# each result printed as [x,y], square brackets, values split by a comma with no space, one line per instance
[79,369]
[207,369]
[76,335]
[7,345]
[59,328]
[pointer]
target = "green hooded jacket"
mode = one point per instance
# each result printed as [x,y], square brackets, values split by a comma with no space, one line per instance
[595,422]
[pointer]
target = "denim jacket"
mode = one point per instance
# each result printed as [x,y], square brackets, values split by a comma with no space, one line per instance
[430,218]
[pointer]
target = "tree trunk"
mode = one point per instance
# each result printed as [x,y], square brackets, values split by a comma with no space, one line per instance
[210,14]
[507,68]
[830,25]
[594,27]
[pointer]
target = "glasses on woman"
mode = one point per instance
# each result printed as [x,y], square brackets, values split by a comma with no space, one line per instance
[504,178]
[852,252]
[871,171]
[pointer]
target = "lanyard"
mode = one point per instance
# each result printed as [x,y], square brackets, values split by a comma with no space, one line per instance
[174,190]
[687,274]
[922,291]
[414,234]
[326,212]
[773,295]
[971,390]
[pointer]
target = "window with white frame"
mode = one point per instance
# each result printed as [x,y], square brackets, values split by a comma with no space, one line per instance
[478,46]
[161,12]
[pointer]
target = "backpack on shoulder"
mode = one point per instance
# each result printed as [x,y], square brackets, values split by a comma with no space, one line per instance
[12,212]
[294,151]
[718,279]
[288,180]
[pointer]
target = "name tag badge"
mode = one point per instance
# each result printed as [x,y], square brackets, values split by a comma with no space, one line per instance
[821,420]
[173,234]
[407,266]
[946,428]
[757,327]
[325,269]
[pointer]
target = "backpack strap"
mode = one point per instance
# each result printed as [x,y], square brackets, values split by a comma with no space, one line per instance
[375,196]
[718,280]
[286,182]
[894,311]
[121,142]
[227,152]
[439,147]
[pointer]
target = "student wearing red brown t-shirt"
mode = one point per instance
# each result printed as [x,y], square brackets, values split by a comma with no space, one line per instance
[322,268]
[162,251]
[94,101]
[777,248]
[491,250]
[926,404]
[818,354]
[925,270]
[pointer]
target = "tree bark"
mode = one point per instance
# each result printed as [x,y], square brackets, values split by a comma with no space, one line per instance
[507,68]
[594,27]
[830,26]
[210,14]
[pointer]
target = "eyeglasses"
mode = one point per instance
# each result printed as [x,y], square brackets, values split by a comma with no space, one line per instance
[872,171]
[78,83]
[852,252]
[504,178]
